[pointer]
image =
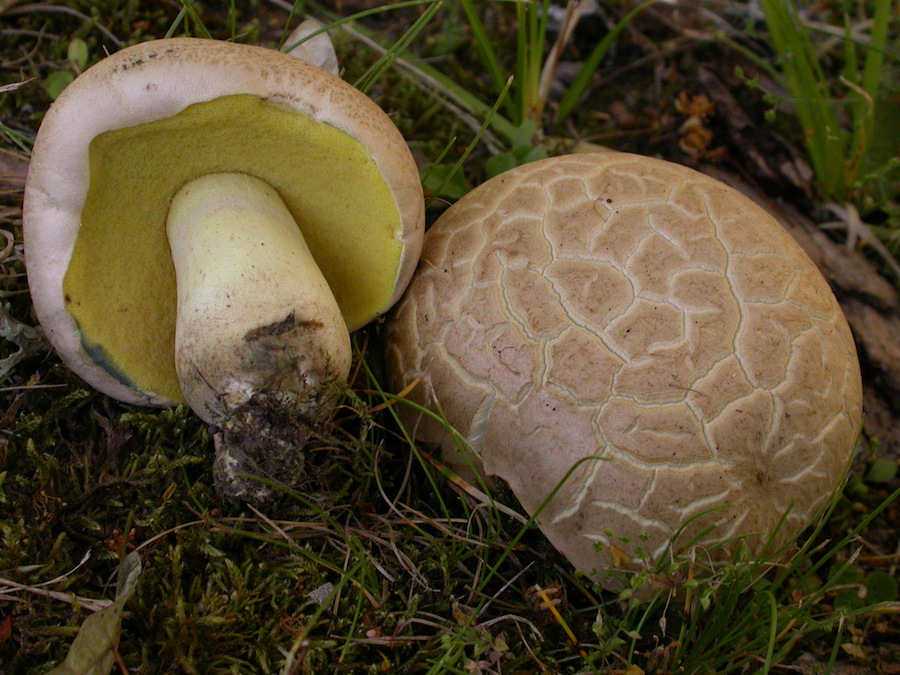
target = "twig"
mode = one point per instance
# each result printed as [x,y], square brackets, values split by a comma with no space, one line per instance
[27,9]
[858,231]
[89,604]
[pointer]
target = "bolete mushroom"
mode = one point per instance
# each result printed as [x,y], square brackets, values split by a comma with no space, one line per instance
[643,338]
[294,214]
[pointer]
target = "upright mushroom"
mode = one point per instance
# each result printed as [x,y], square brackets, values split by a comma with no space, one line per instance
[643,338]
[294,215]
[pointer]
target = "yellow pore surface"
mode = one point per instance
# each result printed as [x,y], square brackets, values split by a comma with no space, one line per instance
[120,285]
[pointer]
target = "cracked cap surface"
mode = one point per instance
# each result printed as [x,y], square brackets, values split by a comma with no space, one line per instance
[642,334]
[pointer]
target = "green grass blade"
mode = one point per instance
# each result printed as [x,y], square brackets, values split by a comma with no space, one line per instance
[878,44]
[864,97]
[832,658]
[821,560]
[457,166]
[189,14]
[462,97]
[851,65]
[409,441]
[860,103]
[370,77]
[484,45]
[826,140]
[583,79]
[773,630]
[425,73]
[532,36]
[388,54]
[176,23]
[16,138]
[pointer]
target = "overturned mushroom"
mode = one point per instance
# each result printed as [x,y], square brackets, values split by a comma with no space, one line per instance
[294,215]
[646,339]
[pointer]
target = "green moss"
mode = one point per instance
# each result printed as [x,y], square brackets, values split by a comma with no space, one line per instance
[120,286]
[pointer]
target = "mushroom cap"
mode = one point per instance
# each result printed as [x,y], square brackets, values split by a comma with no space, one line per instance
[646,339]
[156,81]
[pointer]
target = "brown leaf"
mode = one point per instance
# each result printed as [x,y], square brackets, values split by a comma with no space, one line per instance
[856,651]
[620,558]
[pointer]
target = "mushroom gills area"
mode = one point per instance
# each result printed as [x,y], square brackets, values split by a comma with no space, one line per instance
[120,285]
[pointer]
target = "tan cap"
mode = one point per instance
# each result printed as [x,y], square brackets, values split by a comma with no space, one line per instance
[646,339]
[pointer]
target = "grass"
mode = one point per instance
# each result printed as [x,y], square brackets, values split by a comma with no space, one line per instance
[840,156]
[377,562]
[856,159]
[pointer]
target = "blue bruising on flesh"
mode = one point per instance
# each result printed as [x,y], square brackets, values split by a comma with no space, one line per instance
[101,358]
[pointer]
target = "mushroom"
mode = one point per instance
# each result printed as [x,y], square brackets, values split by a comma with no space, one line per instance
[643,354]
[294,214]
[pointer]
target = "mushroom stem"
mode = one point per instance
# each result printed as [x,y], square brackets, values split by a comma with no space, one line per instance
[261,346]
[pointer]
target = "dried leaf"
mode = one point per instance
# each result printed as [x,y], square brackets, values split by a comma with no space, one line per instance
[12,86]
[27,338]
[78,52]
[854,650]
[631,670]
[93,651]
[619,557]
